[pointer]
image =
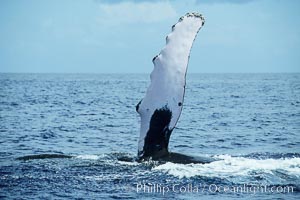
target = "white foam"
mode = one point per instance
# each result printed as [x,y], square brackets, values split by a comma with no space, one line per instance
[88,157]
[232,166]
[128,163]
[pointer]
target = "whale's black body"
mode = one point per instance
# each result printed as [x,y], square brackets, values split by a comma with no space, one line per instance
[170,157]
[162,105]
[43,156]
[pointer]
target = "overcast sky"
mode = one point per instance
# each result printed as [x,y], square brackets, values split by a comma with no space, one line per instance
[117,36]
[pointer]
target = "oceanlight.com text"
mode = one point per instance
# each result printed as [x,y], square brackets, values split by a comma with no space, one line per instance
[211,188]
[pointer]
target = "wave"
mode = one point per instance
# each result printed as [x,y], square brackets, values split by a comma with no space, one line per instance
[258,169]
[243,169]
[239,170]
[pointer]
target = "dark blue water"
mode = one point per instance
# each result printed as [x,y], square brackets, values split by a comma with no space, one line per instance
[250,121]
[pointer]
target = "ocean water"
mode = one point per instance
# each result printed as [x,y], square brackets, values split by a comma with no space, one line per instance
[250,122]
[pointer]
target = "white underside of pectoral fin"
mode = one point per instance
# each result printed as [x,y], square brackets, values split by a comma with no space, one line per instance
[166,91]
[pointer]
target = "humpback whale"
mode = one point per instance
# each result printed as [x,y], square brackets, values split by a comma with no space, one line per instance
[161,107]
